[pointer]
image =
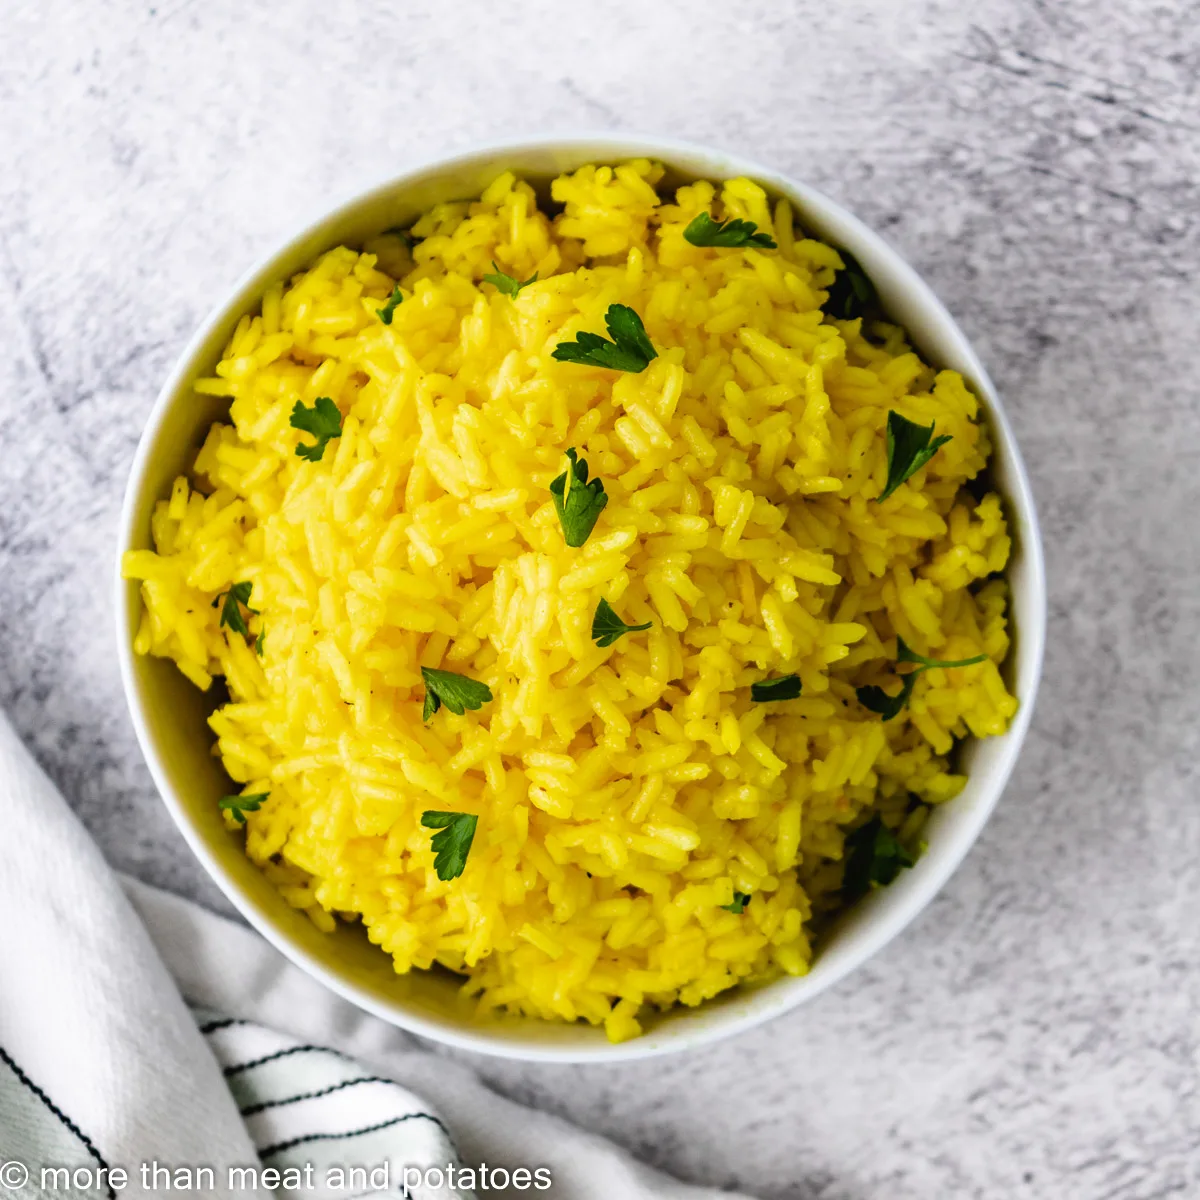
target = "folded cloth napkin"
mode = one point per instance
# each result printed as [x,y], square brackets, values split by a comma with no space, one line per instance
[179,1054]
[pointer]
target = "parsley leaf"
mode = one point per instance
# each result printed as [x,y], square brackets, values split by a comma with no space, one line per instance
[909,447]
[905,654]
[405,235]
[506,283]
[629,350]
[874,857]
[385,314]
[786,687]
[850,292]
[607,627]
[702,230]
[456,692]
[239,806]
[740,900]
[877,700]
[231,611]
[323,420]
[453,843]
[577,502]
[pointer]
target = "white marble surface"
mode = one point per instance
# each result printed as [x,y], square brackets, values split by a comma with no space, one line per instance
[1035,1034]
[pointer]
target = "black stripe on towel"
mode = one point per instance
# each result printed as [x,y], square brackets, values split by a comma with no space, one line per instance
[280,1147]
[222,1023]
[62,1116]
[336,1087]
[238,1068]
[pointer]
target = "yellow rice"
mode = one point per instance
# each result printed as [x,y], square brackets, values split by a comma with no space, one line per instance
[624,794]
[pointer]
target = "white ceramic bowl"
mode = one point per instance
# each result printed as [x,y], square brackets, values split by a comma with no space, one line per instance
[169,713]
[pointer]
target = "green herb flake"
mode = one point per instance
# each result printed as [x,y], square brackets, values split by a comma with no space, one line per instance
[786,687]
[740,900]
[405,235]
[874,857]
[456,692]
[851,291]
[905,654]
[323,420]
[702,230]
[630,348]
[452,843]
[878,701]
[258,642]
[236,598]
[506,284]
[239,806]
[577,502]
[909,447]
[607,627]
[386,313]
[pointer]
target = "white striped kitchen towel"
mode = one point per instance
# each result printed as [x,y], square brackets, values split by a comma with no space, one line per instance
[268,1085]
[328,1125]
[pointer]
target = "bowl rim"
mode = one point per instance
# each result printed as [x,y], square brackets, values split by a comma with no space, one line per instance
[773,999]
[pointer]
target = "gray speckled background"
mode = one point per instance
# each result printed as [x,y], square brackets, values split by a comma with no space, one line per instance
[1035,1034]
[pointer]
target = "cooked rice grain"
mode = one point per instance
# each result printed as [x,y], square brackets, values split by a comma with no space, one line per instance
[624,795]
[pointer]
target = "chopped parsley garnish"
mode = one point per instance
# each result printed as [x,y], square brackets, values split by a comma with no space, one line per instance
[629,350]
[702,230]
[323,420]
[786,687]
[874,857]
[878,701]
[452,843]
[388,311]
[258,642]
[506,283]
[850,292]
[905,654]
[740,900]
[909,447]
[577,502]
[237,598]
[239,806]
[607,627]
[456,692]
[405,235]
